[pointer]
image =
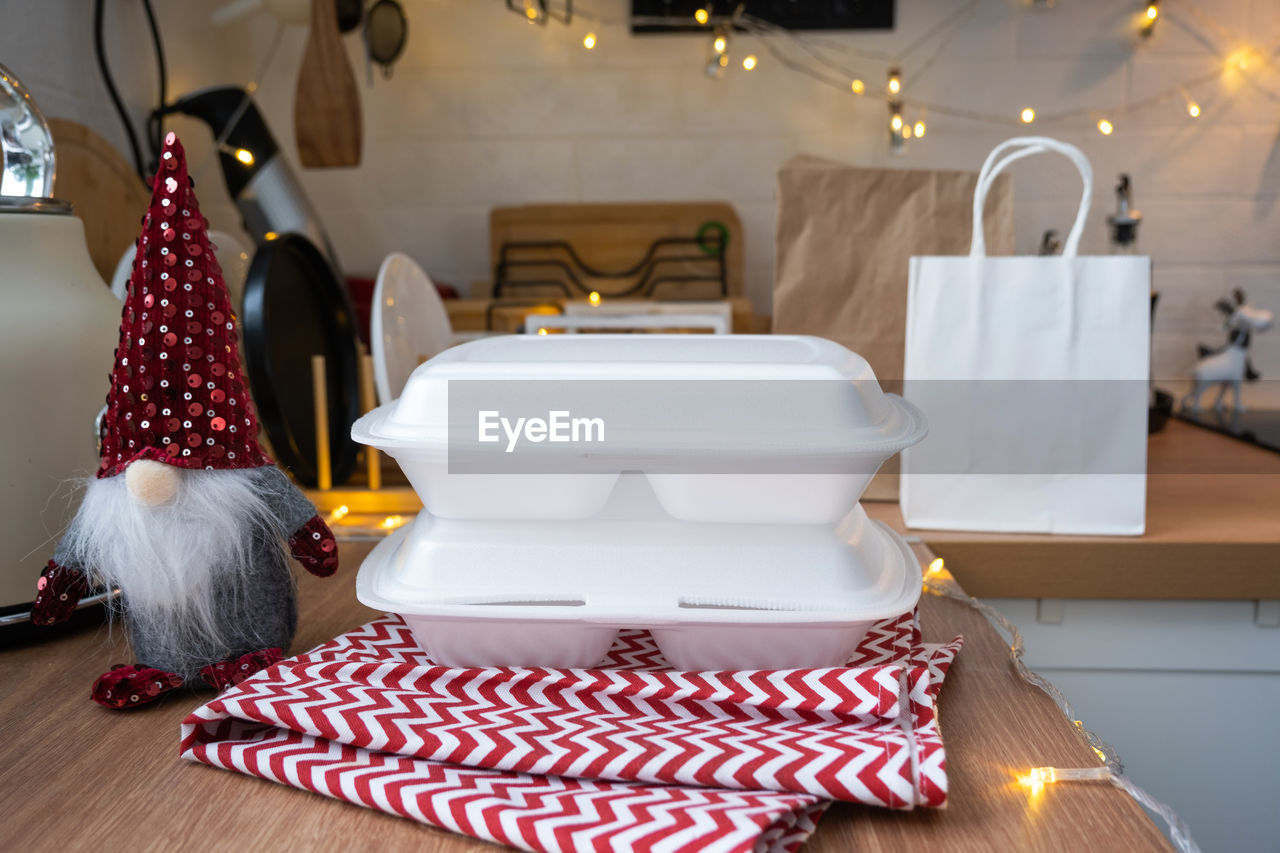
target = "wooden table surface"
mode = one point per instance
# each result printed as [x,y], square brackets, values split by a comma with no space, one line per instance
[1213,532]
[75,776]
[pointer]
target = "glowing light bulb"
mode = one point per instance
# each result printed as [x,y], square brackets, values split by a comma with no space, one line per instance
[896,122]
[391,522]
[531,12]
[1105,127]
[895,82]
[720,44]
[919,129]
[1153,12]
[749,62]
[270,235]
[244,155]
[594,298]
[589,41]
[1028,115]
[339,513]
[858,87]
[906,132]
[723,60]
[936,566]
[1193,109]
[542,331]
[701,16]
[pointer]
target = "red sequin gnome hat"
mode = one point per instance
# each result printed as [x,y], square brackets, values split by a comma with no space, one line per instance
[177,391]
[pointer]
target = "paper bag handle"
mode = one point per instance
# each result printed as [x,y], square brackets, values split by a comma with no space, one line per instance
[1025,146]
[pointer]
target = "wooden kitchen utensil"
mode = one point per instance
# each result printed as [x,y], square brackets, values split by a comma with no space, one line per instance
[326,107]
[102,187]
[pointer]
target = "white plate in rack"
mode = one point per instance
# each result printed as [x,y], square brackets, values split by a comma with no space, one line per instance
[408,324]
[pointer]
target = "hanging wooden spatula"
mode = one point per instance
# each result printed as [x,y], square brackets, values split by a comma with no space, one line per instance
[326,108]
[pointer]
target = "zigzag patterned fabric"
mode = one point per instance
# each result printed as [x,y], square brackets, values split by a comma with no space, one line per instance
[628,756]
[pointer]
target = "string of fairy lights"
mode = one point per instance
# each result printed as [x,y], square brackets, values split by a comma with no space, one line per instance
[836,63]
[938,580]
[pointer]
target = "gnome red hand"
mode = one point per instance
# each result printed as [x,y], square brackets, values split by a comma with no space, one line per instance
[58,592]
[315,548]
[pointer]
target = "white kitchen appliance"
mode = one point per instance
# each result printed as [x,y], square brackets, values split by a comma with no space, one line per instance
[57,340]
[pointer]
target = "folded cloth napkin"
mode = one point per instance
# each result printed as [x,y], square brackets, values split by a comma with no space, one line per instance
[631,755]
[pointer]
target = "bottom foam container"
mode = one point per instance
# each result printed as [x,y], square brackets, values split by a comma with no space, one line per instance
[714,596]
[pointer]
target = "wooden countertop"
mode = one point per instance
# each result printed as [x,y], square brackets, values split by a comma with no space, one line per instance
[1213,532]
[75,776]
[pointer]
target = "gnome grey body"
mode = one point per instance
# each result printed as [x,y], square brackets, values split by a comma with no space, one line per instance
[200,558]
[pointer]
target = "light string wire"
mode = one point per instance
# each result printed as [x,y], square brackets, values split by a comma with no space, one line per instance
[940,582]
[249,88]
[818,48]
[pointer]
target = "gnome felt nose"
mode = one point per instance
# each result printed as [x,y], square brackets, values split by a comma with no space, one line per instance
[151,483]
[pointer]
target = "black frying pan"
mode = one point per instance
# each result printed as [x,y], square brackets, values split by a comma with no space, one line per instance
[294,308]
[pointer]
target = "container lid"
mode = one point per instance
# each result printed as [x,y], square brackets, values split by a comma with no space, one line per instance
[657,395]
[647,572]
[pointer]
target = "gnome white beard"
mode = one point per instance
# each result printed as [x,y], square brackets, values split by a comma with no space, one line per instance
[165,559]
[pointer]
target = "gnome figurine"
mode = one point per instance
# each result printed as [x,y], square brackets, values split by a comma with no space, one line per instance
[187,515]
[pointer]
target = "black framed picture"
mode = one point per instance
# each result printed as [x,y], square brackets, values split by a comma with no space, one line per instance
[792,14]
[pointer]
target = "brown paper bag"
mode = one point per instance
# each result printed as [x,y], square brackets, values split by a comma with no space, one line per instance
[845,235]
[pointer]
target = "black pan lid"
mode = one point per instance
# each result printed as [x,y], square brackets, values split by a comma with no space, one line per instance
[294,308]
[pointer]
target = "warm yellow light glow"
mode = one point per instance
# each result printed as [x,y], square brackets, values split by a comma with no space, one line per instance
[339,513]
[895,85]
[1042,775]
[749,62]
[919,129]
[270,235]
[906,132]
[593,298]
[1193,109]
[542,331]
[1105,127]
[720,44]
[896,122]
[858,87]
[244,155]
[391,522]
[1153,12]
[1028,115]
[1240,58]
[701,16]
[589,41]
[531,12]
[937,566]
[724,60]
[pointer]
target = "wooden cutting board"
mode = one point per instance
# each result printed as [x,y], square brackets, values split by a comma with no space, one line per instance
[326,107]
[103,189]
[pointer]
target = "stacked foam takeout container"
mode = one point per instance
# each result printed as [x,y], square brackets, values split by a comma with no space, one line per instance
[739,544]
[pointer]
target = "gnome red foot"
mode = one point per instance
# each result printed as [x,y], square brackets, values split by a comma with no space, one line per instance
[132,686]
[225,673]
[187,515]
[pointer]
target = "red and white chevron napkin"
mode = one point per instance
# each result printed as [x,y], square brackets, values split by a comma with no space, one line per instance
[629,756]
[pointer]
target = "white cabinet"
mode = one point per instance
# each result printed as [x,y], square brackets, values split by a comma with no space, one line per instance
[1188,692]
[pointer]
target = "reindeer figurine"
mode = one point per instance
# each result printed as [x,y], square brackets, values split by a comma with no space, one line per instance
[1228,366]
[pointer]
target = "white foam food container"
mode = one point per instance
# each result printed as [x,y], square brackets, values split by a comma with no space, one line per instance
[714,596]
[856,429]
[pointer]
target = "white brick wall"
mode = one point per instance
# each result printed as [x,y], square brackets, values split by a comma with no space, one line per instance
[485,110]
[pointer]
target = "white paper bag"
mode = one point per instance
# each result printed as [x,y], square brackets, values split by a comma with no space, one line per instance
[1033,372]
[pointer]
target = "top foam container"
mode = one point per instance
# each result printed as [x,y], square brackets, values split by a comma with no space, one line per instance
[780,461]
